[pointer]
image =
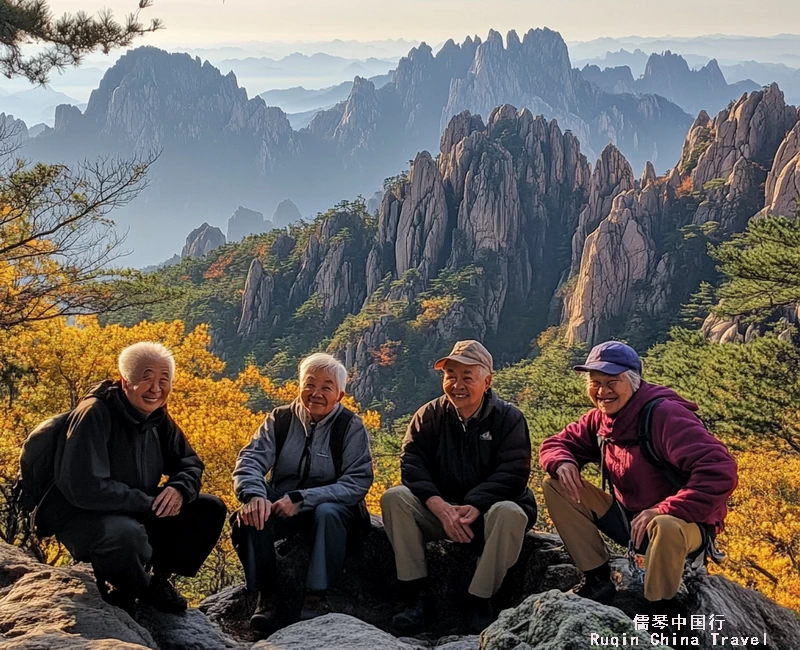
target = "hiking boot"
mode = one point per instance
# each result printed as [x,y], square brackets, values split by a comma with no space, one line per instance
[414,617]
[482,615]
[596,585]
[316,604]
[263,618]
[162,595]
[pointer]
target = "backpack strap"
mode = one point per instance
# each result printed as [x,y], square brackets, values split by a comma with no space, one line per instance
[338,430]
[283,421]
[644,438]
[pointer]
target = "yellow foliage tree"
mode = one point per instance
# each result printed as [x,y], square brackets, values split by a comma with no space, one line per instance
[762,534]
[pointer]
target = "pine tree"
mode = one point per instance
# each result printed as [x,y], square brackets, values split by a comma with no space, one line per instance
[763,268]
[66,40]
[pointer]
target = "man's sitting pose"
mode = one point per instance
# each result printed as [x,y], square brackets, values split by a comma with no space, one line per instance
[669,478]
[106,506]
[317,454]
[464,467]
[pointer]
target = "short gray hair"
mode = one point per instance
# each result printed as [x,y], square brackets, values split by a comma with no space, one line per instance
[132,357]
[633,377]
[326,363]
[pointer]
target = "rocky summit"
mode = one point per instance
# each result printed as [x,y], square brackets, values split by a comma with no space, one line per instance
[60,608]
[246,222]
[202,241]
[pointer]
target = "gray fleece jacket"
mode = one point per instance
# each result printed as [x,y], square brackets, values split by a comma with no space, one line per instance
[257,459]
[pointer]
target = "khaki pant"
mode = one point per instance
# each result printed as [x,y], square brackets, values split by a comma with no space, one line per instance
[671,539]
[409,524]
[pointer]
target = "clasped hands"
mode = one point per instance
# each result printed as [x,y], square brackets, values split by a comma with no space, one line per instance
[258,510]
[456,520]
[570,477]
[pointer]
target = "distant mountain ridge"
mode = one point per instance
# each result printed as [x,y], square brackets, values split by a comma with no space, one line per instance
[300,99]
[670,76]
[534,72]
[221,149]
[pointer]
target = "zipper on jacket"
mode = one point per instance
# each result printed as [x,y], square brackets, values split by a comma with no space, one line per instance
[305,458]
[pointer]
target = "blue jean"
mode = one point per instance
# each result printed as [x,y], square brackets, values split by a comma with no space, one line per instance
[327,526]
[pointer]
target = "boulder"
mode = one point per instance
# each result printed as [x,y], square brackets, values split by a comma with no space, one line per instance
[59,607]
[332,632]
[557,621]
[191,630]
[743,612]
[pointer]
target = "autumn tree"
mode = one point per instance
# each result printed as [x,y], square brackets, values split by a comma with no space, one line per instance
[762,533]
[65,40]
[57,242]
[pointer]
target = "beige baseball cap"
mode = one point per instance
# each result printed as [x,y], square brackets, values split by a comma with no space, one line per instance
[470,353]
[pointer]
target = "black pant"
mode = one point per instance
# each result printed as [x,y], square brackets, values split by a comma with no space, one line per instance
[119,546]
[328,526]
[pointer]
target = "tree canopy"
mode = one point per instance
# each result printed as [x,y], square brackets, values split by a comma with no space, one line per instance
[63,42]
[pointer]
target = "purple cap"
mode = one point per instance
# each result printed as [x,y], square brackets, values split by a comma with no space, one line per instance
[611,358]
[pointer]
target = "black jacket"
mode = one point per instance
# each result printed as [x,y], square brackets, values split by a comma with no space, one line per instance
[113,459]
[481,464]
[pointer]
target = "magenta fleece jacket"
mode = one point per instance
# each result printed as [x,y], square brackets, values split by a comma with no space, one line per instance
[679,437]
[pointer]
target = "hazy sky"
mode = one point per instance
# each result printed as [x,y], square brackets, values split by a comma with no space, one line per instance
[199,22]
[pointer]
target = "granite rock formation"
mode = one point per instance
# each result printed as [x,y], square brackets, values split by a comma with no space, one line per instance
[509,230]
[332,266]
[617,80]
[246,222]
[256,299]
[503,196]
[783,182]
[536,73]
[631,268]
[13,132]
[201,241]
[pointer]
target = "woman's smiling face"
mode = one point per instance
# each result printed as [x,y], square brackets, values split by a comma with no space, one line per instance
[609,393]
[319,394]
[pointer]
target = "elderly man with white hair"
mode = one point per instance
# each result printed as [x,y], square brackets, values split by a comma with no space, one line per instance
[317,455]
[106,505]
[465,466]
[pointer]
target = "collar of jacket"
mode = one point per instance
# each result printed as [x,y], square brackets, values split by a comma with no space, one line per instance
[112,394]
[484,410]
[301,414]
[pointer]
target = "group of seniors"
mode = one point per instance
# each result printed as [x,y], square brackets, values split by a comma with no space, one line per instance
[465,474]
